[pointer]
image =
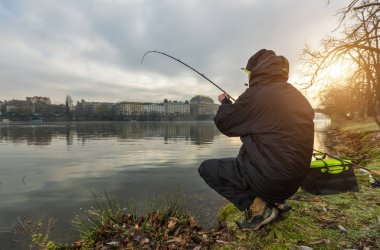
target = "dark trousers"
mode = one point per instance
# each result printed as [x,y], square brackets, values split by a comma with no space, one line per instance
[224,176]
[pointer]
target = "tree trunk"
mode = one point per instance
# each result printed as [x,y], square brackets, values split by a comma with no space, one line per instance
[377,95]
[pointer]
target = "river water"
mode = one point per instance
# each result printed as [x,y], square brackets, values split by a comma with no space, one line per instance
[53,170]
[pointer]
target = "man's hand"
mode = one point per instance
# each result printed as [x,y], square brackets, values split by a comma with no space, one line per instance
[224,99]
[221,97]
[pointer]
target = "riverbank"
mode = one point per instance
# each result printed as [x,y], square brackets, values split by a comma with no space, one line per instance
[360,141]
[342,221]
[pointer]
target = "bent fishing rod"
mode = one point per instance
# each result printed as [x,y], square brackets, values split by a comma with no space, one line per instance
[203,75]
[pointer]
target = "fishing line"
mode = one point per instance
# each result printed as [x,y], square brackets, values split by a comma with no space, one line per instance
[203,75]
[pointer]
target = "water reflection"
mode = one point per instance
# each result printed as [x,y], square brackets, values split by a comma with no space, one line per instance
[42,135]
[321,123]
[52,169]
[32,135]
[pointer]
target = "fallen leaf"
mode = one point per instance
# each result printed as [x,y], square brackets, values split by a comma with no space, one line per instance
[113,243]
[144,241]
[375,172]
[342,228]
[172,222]
[193,222]
[305,247]
[174,240]
[221,241]
[317,199]
[317,242]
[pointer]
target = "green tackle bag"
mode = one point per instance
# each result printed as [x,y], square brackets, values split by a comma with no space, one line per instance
[330,176]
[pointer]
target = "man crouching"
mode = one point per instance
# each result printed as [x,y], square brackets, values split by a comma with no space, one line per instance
[275,124]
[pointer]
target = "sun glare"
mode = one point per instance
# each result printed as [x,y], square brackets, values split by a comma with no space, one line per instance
[340,69]
[336,70]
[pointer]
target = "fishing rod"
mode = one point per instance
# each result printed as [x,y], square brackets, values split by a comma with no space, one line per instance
[203,75]
[375,182]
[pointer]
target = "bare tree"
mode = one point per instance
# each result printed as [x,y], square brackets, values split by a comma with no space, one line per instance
[358,42]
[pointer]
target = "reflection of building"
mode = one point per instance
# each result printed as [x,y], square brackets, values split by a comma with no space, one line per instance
[38,136]
[40,99]
[176,130]
[198,133]
[70,131]
[31,135]
[177,108]
[203,133]
[203,107]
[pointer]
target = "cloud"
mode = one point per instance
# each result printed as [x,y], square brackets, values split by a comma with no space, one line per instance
[92,49]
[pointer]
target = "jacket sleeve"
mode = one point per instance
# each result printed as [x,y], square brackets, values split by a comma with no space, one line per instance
[233,119]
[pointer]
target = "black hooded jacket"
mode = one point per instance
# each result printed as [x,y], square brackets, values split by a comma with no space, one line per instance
[275,124]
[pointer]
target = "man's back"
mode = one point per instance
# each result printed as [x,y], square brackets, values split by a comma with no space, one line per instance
[282,126]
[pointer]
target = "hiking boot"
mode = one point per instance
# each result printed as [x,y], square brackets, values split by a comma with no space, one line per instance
[258,214]
[283,207]
[258,221]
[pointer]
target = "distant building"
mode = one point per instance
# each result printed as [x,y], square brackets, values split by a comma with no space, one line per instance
[129,109]
[93,110]
[19,106]
[203,107]
[38,99]
[69,104]
[154,108]
[1,106]
[177,108]
[95,107]
[108,105]
[90,107]
[105,109]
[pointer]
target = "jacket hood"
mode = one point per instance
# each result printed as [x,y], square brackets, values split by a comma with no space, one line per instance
[266,66]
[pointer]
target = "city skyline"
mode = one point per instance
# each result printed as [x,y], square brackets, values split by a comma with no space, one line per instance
[93,49]
[40,109]
[75,101]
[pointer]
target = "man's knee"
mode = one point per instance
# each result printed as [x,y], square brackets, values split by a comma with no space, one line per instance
[202,170]
[207,168]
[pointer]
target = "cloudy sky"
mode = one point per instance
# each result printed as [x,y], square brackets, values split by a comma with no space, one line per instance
[92,49]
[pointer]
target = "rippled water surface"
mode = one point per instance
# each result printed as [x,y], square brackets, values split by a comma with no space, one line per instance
[52,170]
